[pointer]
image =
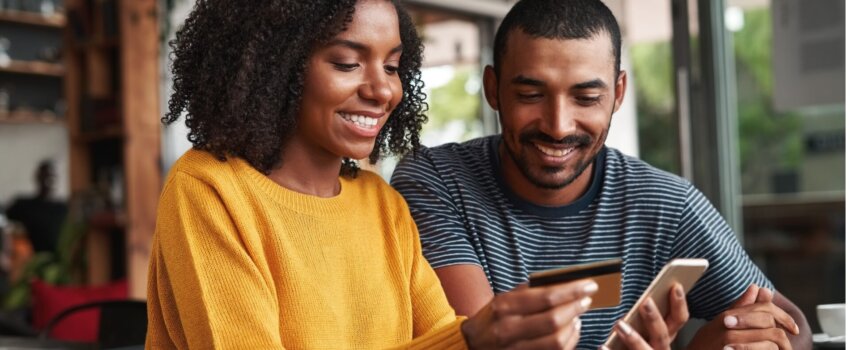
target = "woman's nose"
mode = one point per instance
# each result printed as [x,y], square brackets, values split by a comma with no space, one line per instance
[377,88]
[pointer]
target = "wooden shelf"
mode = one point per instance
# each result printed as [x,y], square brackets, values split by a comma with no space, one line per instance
[102,43]
[33,18]
[28,117]
[34,68]
[110,133]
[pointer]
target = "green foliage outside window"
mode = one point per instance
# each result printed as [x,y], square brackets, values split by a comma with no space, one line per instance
[769,141]
[454,102]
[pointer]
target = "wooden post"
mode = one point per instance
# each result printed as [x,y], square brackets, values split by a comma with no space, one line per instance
[78,153]
[140,108]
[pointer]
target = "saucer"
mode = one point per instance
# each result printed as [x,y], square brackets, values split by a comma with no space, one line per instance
[822,338]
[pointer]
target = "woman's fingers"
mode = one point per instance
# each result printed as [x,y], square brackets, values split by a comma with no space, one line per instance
[546,323]
[529,301]
[565,338]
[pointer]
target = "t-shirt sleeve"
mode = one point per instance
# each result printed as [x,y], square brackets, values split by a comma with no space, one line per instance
[14,211]
[703,233]
[204,291]
[446,240]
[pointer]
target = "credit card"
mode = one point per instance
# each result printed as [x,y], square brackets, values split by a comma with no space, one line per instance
[606,273]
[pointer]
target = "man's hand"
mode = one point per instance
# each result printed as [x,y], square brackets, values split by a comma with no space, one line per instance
[753,322]
[531,318]
[660,332]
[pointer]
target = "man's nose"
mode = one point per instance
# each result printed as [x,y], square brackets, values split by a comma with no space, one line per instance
[560,120]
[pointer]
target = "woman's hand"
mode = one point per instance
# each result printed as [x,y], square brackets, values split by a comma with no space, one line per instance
[531,318]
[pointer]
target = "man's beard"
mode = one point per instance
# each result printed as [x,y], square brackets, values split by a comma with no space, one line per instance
[579,142]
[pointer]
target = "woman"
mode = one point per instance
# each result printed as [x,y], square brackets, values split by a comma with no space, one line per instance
[267,234]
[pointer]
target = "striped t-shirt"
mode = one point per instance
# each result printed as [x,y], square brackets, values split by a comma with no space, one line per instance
[467,215]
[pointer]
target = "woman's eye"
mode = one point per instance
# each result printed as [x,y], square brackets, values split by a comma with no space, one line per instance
[391,69]
[345,67]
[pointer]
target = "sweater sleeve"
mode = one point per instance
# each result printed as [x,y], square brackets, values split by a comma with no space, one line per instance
[448,337]
[435,325]
[204,289]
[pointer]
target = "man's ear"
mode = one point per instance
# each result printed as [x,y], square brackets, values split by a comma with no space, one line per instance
[619,90]
[491,87]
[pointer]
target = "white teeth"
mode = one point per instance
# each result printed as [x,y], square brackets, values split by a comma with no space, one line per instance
[359,120]
[554,152]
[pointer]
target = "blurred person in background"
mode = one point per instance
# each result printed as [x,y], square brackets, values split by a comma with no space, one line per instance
[41,215]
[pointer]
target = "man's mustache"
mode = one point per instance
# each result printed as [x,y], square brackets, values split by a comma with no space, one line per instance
[569,140]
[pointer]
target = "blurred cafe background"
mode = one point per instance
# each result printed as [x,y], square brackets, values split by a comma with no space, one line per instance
[745,98]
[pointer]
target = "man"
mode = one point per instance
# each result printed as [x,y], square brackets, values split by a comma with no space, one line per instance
[547,193]
[41,215]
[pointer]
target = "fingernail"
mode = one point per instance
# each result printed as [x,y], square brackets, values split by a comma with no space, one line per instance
[591,287]
[796,329]
[679,292]
[605,347]
[647,308]
[730,321]
[585,303]
[727,347]
[578,324]
[625,328]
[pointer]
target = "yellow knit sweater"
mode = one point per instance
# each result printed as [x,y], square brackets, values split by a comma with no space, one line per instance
[240,262]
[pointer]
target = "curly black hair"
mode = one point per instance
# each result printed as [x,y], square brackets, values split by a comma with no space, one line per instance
[239,70]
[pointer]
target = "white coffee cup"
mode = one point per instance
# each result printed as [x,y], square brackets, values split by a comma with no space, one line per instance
[831,319]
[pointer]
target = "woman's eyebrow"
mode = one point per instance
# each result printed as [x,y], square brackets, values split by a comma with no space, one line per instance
[349,44]
[357,46]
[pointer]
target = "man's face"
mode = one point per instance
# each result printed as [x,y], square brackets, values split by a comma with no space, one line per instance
[45,178]
[555,100]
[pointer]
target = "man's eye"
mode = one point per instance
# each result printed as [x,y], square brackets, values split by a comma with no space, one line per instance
[588,100]
[391,69]
[345,67]
[529,97]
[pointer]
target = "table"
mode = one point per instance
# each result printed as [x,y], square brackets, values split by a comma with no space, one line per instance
[7,342]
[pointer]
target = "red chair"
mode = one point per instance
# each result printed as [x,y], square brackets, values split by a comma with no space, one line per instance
[49,301]
[122,322]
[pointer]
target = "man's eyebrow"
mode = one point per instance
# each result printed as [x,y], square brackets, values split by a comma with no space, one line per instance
[592,84]
[524,80]
[359,46]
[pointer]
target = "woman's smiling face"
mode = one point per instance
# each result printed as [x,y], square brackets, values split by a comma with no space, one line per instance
[351,84]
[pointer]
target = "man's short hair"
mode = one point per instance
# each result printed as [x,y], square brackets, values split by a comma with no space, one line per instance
[558,19]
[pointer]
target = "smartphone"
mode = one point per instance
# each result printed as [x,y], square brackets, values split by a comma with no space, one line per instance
[685,271]
[607,274]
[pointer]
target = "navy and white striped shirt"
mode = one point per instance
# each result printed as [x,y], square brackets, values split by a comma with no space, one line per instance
[467,215]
